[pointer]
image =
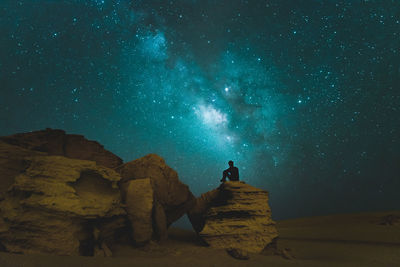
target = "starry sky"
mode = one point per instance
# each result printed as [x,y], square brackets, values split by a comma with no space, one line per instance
[302,95]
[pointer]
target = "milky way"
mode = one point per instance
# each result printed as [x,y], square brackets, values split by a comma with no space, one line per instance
[303,96]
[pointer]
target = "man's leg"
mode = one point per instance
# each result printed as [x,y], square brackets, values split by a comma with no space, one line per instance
[224,175]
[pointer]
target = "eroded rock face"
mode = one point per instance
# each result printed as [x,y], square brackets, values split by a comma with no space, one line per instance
[172,198]
[234,216]
[57,142]
[56,205]
[12,163]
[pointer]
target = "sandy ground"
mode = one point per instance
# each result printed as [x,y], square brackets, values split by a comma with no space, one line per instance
[366,239]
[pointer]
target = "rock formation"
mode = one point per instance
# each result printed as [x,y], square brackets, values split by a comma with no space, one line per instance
[235,216]
[54,204]
[172,198]
[66,195]
[57,142]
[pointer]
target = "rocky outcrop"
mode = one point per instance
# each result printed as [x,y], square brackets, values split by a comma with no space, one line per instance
[235,216]
[57,142]
[172,198]
[66,195]
[55,204]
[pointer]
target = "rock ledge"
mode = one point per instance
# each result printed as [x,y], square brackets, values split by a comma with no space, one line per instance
[234,216]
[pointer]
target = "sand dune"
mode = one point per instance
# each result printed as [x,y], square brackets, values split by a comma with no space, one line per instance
[365,239]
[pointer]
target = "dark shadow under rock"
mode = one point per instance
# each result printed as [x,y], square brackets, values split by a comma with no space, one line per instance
[238,254]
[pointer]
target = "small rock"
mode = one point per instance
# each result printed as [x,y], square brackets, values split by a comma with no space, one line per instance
[177,253]
[238,253]
[107,250]
[390,219]
[286,254]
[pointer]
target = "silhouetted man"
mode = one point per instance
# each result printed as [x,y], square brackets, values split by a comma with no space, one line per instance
[232,173]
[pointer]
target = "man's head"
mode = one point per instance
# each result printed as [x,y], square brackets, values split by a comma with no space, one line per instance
[230,163]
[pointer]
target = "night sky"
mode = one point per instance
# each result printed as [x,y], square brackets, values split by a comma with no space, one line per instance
[303,95]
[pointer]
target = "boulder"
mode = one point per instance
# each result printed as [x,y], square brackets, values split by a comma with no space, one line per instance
[56,204]
[172,198]
[236,216]
[57,142]
[139,206]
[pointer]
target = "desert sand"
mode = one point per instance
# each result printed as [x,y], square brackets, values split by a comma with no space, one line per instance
[364,239]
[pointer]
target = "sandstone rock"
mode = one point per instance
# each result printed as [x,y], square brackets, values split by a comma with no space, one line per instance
[12,162]
[139,206]
[172,198]
[102,251]
[57,142]
[55,204]
[234,216]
